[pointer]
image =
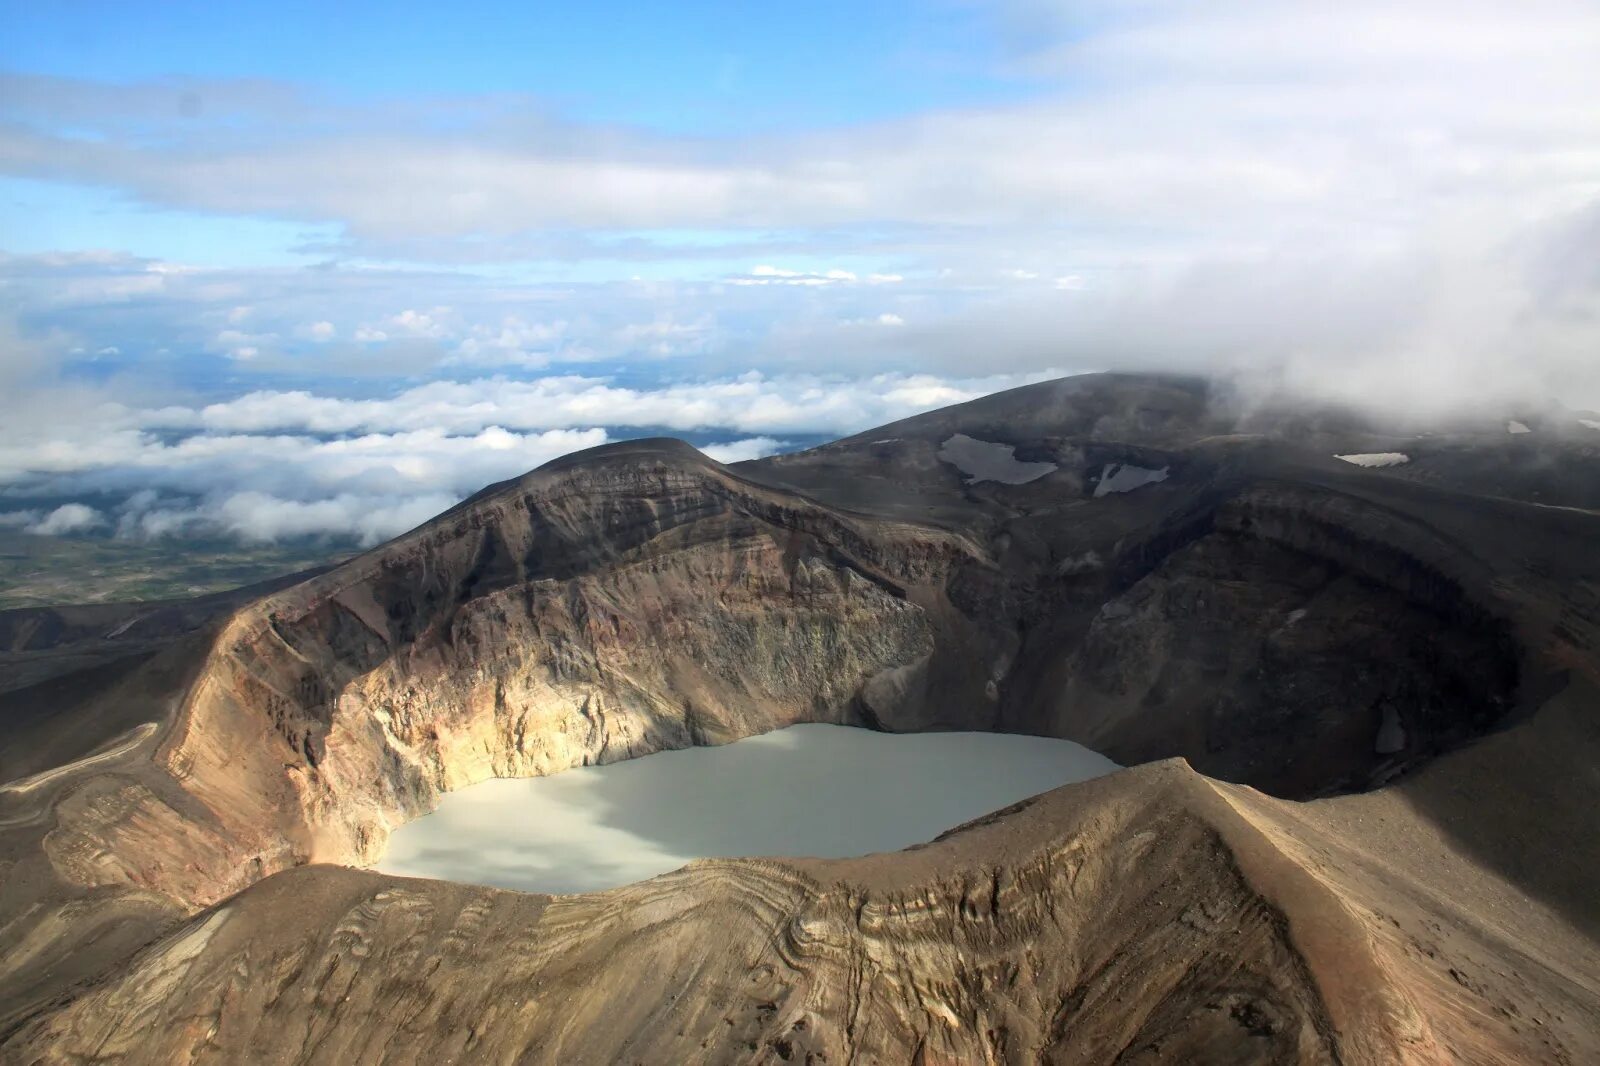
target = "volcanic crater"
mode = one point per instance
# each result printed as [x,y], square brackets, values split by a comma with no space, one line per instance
[1358,704]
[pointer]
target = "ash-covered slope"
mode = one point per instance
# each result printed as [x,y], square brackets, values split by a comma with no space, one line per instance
[1171,576]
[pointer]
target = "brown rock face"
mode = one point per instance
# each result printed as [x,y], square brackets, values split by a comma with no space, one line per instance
[1277,619]
[1290,648]
[646,600]
[836,961]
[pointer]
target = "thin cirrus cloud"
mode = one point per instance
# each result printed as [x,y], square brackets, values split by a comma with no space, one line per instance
[1201,118]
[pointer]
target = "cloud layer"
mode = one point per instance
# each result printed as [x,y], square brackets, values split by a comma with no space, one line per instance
[1397,205]
[1198,120]
[274,465]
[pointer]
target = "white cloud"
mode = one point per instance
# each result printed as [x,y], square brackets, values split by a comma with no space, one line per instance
[666,336]
[771,275]
[267,487]
[889,318]
[1216,117]
[419,324]
[1161,193]
[241,346]
[512,343]
[737,451]
[68,518]
[321,331]
[255,517]
[278,464]
[751,403]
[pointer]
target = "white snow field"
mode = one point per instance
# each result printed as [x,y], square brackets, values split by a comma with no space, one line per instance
[1124,477]
[983,460]
[1375,459]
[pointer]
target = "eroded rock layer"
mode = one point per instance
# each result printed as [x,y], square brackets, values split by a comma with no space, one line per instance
[1061,949]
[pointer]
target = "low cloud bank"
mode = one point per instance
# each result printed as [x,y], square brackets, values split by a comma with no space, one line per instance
[257,517]
[272,466]
[67,519]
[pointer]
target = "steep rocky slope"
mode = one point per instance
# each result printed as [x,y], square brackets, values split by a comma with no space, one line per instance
[1295,625]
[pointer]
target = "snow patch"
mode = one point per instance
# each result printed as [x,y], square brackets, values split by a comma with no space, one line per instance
[1125,477]
[1374,459]
[983,460]
[1592,423]
[1515,427]
[124,627]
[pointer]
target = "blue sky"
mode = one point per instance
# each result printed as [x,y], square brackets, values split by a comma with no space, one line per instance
[719,70]
[709,68]
[753,224]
